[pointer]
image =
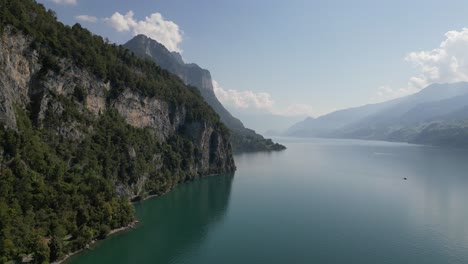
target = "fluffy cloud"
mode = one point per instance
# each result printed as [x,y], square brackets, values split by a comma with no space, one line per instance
[86,18]
[446,64]
[243,99]
[154,26]
[65,2]
[258,101]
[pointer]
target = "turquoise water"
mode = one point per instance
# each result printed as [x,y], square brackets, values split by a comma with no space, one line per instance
[320,201]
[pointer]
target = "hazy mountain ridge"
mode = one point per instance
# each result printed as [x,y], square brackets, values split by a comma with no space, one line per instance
[435,115]
[329,123]
[243,139]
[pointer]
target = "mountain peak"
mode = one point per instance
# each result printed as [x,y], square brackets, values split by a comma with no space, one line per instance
[194,75]
[141,36]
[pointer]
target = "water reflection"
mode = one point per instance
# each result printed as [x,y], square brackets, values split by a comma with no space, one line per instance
[319,201]
[438,196]
[170,226]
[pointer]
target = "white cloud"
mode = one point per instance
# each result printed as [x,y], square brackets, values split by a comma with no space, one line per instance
[243,99]
[86,18]
[154,26]
[446,64]
[249,100]
[65,2]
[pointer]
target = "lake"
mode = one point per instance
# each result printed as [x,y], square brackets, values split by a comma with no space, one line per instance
[319,201]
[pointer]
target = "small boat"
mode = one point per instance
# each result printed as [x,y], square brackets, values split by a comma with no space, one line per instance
[405,179]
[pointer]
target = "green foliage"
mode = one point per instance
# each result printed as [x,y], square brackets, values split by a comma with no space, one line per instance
[104,230]
[52,188]
[56,248]
[80,93]
[42,197]
[243,142]
[58,193]
[109,62]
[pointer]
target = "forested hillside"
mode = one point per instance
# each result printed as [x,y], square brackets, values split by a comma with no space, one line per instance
[86,127]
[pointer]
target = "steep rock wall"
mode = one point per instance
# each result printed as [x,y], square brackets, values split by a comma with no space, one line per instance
[24,83]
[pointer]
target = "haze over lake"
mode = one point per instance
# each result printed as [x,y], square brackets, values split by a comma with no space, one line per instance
[319,201]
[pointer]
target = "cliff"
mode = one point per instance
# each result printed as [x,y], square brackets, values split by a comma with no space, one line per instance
[243,139]
[24,85]
[86,126]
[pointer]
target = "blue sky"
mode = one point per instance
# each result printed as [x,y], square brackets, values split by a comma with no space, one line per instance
[296,57]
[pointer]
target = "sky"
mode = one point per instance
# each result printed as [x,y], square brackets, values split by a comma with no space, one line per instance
[295,57]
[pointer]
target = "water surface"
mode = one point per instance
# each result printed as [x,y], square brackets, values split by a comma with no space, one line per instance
[320,201]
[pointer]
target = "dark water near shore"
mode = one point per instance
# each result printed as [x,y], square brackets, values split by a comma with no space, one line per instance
[320,201]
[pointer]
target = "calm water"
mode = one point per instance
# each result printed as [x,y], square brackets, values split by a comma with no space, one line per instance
[320,201]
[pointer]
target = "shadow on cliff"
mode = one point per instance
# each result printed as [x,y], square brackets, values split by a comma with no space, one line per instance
[170,226]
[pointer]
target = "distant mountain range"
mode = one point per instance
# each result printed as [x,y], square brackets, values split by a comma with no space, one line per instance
[266,124]
[437,115]
[242,138]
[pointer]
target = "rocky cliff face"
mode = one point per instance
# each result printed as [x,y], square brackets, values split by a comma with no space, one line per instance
[46,94]
[86,126]
[243,139]
[166,121]
[17,68]
[190,73]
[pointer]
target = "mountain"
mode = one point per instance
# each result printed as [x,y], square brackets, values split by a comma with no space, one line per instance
[85,127]
[267,123]
[326,124]
[243,139]
[436,115]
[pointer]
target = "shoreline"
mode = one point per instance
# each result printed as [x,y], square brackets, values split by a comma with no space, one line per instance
[168,191]
[124,228]
[94,241]
[112,232]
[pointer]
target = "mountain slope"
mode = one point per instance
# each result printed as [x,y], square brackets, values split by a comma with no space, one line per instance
[326,124]
[428,117]
[243,139]
[84,127]
[413,110]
